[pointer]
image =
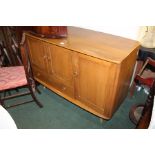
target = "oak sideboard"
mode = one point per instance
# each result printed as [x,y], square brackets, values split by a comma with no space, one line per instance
[91,69]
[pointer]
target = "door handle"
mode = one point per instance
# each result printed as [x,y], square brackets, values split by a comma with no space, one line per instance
[44,57]
[75,74]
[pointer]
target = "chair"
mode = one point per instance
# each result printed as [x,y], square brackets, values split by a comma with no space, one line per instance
[4,57]
[17,77]
[140,114]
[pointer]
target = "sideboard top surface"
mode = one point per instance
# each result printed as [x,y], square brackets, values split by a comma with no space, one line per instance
[97,44]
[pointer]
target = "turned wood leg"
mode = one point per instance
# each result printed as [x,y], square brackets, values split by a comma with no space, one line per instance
[101,120]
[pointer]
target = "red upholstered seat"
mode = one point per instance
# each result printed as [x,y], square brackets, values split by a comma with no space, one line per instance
[12,77]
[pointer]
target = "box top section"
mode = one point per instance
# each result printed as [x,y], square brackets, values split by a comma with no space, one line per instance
[97,44]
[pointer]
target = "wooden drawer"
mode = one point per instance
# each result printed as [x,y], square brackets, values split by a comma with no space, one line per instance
[60,86]
[52,82]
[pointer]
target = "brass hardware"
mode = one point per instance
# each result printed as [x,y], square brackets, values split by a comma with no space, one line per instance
[64,88]
[44,56]
[75,74]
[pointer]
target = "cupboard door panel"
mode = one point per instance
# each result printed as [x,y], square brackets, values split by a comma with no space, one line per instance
[92,82]
[37,53]
[60,64]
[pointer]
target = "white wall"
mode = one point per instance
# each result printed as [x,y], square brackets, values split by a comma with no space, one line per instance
[130,32]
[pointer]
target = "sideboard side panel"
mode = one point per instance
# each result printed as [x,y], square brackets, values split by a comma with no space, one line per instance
[123,82]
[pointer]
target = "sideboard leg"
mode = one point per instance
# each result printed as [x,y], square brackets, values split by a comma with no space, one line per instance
[101,120]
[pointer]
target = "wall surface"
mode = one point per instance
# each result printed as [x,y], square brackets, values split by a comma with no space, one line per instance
[130,32]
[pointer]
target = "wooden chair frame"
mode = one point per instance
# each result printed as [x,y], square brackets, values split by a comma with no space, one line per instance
[145,117]
[29,76]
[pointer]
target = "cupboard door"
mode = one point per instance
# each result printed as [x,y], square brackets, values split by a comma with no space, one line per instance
[93,82]
[60,64]
[60,70]
[37,53]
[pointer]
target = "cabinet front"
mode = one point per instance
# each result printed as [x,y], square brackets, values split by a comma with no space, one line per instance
[94,82]
[60,70]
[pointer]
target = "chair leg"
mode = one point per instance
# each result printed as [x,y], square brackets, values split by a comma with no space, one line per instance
[133,85]
[132,89]
[34,97]
[5,93]
[38,90]
[132,115]
[36,87]
[17,90]
[2,102]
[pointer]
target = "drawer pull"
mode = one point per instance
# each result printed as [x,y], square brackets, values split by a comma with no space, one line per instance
[45,57]
[75,74]
[64,88]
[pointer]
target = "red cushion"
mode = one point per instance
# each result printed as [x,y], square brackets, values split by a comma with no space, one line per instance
[12,77]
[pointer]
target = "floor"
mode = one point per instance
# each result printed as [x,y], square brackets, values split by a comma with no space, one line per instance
[59,113]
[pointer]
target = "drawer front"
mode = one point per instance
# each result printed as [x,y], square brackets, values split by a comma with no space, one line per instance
[62,87]
[52,82]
